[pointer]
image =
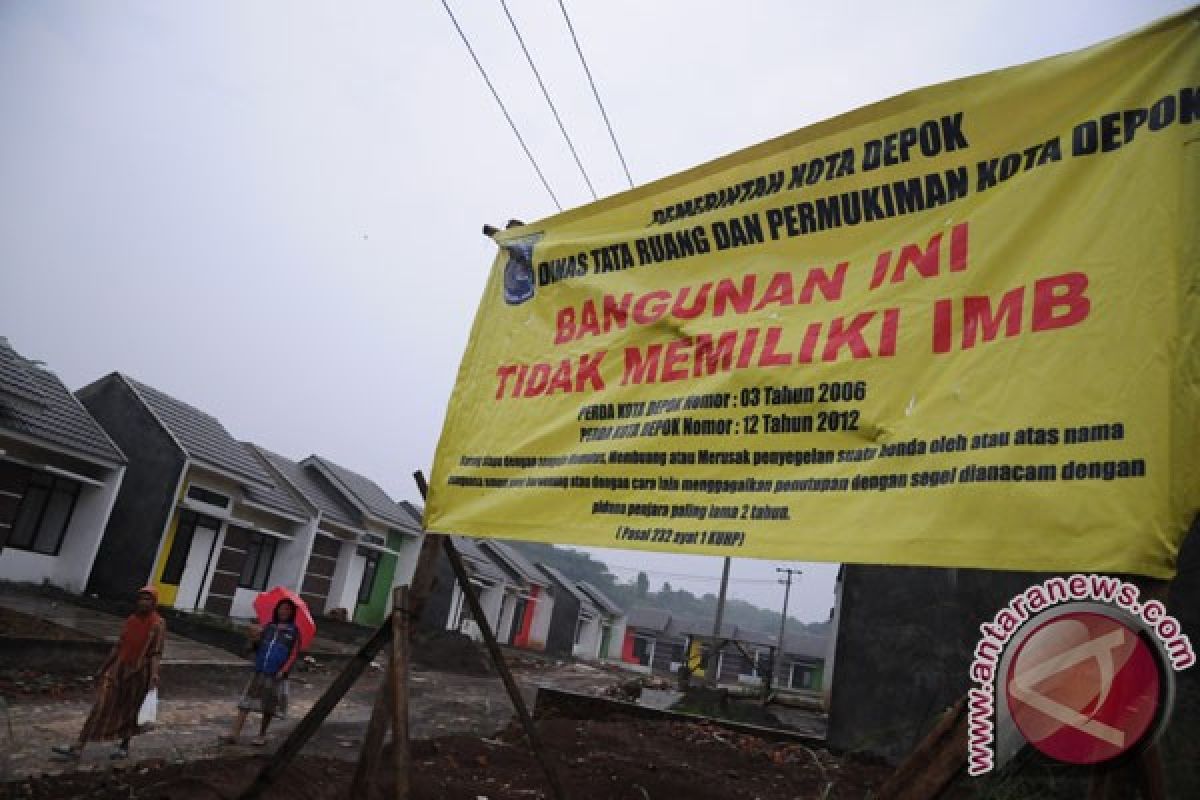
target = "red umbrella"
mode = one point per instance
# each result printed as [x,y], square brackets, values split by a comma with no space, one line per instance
[264,607]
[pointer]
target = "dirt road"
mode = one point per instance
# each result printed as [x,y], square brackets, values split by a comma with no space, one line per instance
[49,710]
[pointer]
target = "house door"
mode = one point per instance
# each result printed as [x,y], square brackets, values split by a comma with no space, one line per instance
[196,568]
[518,620]
[605,636]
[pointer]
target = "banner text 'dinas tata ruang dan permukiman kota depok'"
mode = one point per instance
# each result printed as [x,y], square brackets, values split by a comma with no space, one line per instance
[958,327]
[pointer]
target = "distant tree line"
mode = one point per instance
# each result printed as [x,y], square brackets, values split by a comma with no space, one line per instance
[580,566]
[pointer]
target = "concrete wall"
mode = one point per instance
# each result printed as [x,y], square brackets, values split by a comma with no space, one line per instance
[131,538]
[436,613]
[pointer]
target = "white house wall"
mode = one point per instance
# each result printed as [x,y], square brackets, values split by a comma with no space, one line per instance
[406,562]
[589,640]
[508,606]
[616,641]
[491,598]
[70,568]
[347,578]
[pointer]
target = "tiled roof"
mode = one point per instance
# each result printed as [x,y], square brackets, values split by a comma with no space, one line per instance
[313,488]
[35,403]
[805,644]
[564,582]
[201,435]
[477,561]
[275,496]
[509,557]
[703,627]
[601,600]
[363,490]
[416,512]
[750,636]
[650,619]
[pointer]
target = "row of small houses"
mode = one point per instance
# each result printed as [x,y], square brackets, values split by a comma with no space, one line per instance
[119,484]
[529,606]
[657,641]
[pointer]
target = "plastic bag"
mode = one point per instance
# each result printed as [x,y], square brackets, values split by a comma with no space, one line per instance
[148,713]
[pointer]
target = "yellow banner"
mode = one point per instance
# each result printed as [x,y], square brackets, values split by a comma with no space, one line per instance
[954,328]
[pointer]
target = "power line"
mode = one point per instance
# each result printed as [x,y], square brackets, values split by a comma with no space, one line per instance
[596,93]
[549,102]
[500,103]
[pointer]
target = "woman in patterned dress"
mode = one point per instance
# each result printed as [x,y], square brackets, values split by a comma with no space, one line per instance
[128,674]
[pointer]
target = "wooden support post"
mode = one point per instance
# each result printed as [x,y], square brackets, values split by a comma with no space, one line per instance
[369,758]
[938,759]
[398,679]
[493,648]
[304,730]
[510,684]
[391,707]
[371,755]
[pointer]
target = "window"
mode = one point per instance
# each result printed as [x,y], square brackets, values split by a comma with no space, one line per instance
[44,514]
[181,545]
[207,496]
[260,555]
[370,571]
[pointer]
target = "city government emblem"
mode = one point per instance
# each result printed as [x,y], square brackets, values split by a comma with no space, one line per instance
[519,280]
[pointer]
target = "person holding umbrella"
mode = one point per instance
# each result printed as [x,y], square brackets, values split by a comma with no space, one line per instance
[288,629]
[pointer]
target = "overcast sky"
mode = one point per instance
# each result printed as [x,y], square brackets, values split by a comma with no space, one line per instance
[272,210]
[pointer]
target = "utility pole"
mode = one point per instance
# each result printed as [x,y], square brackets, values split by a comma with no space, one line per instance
[713,665]
[777,669]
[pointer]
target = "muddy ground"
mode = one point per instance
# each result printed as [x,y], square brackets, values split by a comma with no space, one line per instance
[616,759]
[198,705]
[13,623]
[461,719]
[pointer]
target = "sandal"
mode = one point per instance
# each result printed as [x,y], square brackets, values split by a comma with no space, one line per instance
[119,753]
[259,741]
[225,738]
